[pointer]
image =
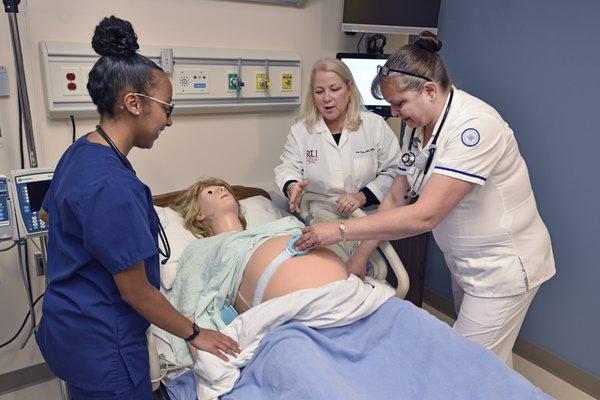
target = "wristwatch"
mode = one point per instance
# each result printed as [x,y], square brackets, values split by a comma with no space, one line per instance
[342,228]
[289,188]
[196,329]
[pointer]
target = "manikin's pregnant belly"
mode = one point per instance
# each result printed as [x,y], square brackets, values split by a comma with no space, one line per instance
[317,268]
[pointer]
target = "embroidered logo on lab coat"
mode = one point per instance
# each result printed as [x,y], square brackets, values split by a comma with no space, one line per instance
[470,137]
[312,156]
[365,151]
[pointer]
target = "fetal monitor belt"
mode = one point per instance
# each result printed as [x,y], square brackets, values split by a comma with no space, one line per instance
[273,266]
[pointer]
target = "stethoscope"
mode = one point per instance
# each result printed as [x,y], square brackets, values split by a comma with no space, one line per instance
[422,162]
[161,231]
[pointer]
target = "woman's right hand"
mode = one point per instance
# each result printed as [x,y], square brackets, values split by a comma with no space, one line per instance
[216,343]
[295,194]
[357,265]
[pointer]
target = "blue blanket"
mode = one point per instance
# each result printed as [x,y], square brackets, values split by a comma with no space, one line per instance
[399,352]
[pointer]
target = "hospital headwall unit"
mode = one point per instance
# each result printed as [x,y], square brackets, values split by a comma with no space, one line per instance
[205,80]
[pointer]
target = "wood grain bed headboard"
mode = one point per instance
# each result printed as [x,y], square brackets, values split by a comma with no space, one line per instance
[240,193]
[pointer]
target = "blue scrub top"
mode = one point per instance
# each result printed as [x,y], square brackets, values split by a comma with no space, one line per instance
[101,223]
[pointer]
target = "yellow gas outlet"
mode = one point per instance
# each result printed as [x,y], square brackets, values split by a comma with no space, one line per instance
[262,83]
[287,82]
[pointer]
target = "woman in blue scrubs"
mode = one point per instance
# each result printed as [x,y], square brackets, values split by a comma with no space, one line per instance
[103,267]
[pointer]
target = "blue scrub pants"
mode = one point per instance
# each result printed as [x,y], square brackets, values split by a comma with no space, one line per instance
[141,392]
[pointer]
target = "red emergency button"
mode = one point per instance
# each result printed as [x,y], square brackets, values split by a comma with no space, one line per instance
[72,86]
[70,76]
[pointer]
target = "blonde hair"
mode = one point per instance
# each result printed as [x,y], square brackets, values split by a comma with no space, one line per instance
[187,205]
[309,112]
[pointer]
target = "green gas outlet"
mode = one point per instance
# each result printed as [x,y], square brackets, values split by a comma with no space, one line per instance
[232,79]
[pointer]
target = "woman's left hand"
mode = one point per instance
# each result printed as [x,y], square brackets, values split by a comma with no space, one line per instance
[321,234]
[348,202]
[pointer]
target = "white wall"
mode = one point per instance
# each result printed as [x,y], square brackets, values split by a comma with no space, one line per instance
[241,148]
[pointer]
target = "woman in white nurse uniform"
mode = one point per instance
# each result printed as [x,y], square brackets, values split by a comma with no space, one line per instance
[337,148]
[462,176]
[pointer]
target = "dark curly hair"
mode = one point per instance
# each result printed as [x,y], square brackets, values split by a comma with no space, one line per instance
[120,67]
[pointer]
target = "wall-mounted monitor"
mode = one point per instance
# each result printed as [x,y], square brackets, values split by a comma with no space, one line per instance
[364,70]
[409,17]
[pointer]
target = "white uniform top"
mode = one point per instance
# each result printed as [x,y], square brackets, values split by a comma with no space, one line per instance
[494,241]
[367,157]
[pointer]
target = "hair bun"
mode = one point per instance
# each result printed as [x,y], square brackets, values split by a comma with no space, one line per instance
[428,41]
[115,37]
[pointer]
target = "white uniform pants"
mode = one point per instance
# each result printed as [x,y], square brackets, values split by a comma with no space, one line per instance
[492,322]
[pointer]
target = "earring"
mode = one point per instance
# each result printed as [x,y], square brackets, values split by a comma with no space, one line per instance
[138,113]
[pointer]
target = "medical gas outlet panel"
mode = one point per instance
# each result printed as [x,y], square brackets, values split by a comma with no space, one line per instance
[204,80]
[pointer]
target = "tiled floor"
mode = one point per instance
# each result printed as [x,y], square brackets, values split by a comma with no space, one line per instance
[549,383]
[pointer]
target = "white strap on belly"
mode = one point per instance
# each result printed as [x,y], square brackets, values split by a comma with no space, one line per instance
[273,266]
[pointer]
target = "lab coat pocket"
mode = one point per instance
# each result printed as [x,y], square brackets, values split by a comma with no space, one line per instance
[487,265]
[133,345]
[365,170]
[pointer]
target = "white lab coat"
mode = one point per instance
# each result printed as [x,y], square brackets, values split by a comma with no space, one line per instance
[494,241]
[367,157]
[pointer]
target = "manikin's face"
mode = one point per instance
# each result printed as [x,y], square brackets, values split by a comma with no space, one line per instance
[153,117]
[412,106]
[214,201]
[331,95]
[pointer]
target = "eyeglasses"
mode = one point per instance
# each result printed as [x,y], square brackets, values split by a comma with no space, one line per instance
[169,106]
[385,71]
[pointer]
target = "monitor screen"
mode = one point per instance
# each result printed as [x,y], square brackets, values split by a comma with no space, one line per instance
[391,16]
[36,191]
[364,70]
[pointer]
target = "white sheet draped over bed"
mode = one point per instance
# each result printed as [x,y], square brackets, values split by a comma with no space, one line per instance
[335,304]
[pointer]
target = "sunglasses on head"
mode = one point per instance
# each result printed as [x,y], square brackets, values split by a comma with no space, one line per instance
[385,71]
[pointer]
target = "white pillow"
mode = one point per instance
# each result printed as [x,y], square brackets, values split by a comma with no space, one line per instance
[258,210]
[178,237]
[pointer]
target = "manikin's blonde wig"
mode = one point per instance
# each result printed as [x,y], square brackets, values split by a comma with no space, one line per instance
[310,113]
[187,205]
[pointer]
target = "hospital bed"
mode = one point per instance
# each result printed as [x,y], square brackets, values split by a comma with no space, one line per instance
[398,349]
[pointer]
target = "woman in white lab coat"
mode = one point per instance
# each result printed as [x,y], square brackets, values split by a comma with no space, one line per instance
[463,164]
[337,148]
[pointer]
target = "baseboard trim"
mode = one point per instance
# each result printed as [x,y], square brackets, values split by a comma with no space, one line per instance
[566,371]
[22,378]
